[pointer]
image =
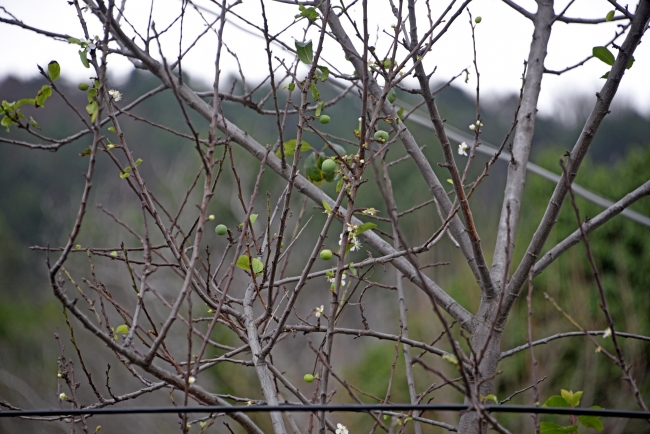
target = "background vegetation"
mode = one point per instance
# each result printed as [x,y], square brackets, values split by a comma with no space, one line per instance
[40,191]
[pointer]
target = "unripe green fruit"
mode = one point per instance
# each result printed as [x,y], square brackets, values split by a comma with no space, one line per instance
[324,119]
[83,86]
[381,136]
[308,378]
[328,167]
[326,255]
[221,230]
[478,20]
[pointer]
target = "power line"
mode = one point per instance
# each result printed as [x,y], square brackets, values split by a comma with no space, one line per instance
[353,408]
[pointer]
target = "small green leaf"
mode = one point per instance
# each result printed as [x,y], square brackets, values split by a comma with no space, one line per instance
[312,171]
[258,266]
[339,185]
[42,95]
[591,422]
[122,329]
[112,129]
[290,148]
[138,162]
[630,63]
[92,93]
[113,253]
[338,148]
[327,207]
[606,76]
[252,219]
[314,92]
[305,51]
[74,41]
[400,113]
[54,69]
[609,16]
[244,263]
[203,424]
[576,399]
[291,86]
[6,122]
[556,401]
[365,227]
[84,59]
[553,428]
[492,398]
[34,123]
[568,396]
[309,13]
[450,358]
[25,101]
[604,55]
[127,169]
[92,107]
[319,108]
[325,72]
[124,175]
[353,270]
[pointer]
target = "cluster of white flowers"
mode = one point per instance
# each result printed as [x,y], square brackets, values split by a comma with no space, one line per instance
[318,312]
[352,238]
[478,124]
[332,279]
[116,94]
[369,211]
[341,429]
[462,149]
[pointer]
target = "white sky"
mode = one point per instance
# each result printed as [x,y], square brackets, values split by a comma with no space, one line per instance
[503,40]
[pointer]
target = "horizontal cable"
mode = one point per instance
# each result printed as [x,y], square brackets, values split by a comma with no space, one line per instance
[354,408]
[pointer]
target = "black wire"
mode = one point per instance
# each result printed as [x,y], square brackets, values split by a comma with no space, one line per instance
[329,408]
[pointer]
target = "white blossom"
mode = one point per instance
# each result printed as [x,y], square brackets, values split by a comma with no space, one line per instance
[472,127]
[341,429]
[90,43]
[63,396]
[318,312]
[607,333]
[369,211]
[462,149]
[356,244]
[191,380]
[332,279]
[116,94]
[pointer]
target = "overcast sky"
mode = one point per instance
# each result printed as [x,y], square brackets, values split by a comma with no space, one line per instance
[503,40]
